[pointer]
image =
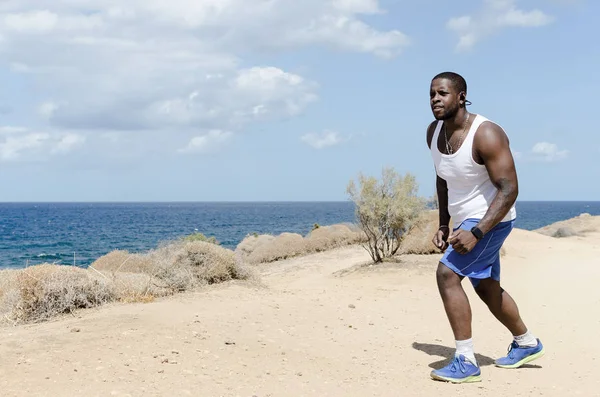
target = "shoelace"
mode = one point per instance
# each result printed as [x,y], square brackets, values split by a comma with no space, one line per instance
[461,365]
[510,349]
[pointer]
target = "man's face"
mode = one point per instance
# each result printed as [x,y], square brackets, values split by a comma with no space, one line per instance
[444,99]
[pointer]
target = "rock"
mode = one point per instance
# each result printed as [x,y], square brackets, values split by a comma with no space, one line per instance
[564,232]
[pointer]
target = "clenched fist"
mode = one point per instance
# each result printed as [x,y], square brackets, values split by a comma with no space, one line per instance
[462,241]
[440,238]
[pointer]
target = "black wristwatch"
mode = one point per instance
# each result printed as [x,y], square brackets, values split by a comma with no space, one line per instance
[477,233]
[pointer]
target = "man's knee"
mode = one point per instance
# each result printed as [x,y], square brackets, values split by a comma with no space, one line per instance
[446,276]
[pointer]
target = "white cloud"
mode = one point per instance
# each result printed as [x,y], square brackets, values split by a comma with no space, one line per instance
[67,143]
[210,141]
[546,151]
[493,17]
[18,143]
[175,65]
[12,148]
[322,140]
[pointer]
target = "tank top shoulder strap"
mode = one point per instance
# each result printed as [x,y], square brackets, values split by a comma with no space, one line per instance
[436,133]
[473,129]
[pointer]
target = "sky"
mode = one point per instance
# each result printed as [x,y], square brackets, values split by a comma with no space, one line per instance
[284,100]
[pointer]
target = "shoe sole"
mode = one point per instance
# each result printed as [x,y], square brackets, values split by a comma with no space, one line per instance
[468,379]
[524,361]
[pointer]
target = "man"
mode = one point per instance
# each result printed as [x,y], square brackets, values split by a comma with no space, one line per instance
[477,188]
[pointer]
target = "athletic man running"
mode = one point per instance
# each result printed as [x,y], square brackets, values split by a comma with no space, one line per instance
[477,188]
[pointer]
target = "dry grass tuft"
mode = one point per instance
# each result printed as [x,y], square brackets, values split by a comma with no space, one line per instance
[184,265]
[266,249]
[122,261]
[255,249]
[41,292]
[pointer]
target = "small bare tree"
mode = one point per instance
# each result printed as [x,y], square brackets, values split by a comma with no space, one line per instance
[385,211]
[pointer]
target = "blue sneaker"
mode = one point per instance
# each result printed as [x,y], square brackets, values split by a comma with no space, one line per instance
[519,355]
[460,370]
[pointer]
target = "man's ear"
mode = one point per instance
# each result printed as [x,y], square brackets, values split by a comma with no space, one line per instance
[463,98]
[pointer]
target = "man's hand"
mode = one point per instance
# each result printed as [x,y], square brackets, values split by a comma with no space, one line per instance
[440,239]
[462,241]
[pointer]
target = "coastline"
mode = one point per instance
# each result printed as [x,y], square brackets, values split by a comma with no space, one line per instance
[58,232]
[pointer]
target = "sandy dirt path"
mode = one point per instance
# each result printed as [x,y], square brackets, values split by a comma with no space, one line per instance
[322,325]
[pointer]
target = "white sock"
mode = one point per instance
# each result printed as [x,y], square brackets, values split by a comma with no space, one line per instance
[465,347]
[527,339]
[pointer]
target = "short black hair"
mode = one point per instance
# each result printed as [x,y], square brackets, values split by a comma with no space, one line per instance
[459,82]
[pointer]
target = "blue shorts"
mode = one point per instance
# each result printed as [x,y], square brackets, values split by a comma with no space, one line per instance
[484,260]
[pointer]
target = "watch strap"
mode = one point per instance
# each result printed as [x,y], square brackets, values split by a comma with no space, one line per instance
[477,232]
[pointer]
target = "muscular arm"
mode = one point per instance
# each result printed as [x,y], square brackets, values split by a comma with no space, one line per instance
[492,148]
[440,185]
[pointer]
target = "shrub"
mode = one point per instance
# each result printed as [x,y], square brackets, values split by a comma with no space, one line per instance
[255,249]
[44,291]
[38,293]
[185,265]
[385,210]
[197,236]
[267,248]
[325,238]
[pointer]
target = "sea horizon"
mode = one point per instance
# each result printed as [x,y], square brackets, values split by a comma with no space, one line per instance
[54,231]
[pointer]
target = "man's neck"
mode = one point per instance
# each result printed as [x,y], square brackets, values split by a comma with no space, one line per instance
[458,121]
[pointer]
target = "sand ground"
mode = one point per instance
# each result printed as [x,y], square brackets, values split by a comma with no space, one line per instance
[322,325]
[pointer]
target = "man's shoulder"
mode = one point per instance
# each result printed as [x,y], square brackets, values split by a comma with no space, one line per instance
[489,128]
[489,135]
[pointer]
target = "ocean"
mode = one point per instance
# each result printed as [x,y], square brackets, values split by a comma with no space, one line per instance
[78,233]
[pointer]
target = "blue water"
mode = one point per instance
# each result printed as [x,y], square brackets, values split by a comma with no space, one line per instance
[79,233]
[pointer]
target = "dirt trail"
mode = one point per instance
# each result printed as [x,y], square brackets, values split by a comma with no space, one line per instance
[322,325]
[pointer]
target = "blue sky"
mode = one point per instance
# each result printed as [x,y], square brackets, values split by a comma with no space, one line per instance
[162,100]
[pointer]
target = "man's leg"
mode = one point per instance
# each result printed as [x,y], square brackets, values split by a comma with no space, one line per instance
[502,305]
[458,310]
[456,302]
[525,347]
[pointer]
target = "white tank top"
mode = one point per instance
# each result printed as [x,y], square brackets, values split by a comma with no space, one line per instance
[470,190]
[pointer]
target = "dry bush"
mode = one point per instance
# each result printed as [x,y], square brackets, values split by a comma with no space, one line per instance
[7,280]
[184,265]
[173,267]
[385,210]
[325,238]
[264,248]
[250,244]
[283,246]
[134,287]
[197,236]
[44,291]
[123,261]
[40,292]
